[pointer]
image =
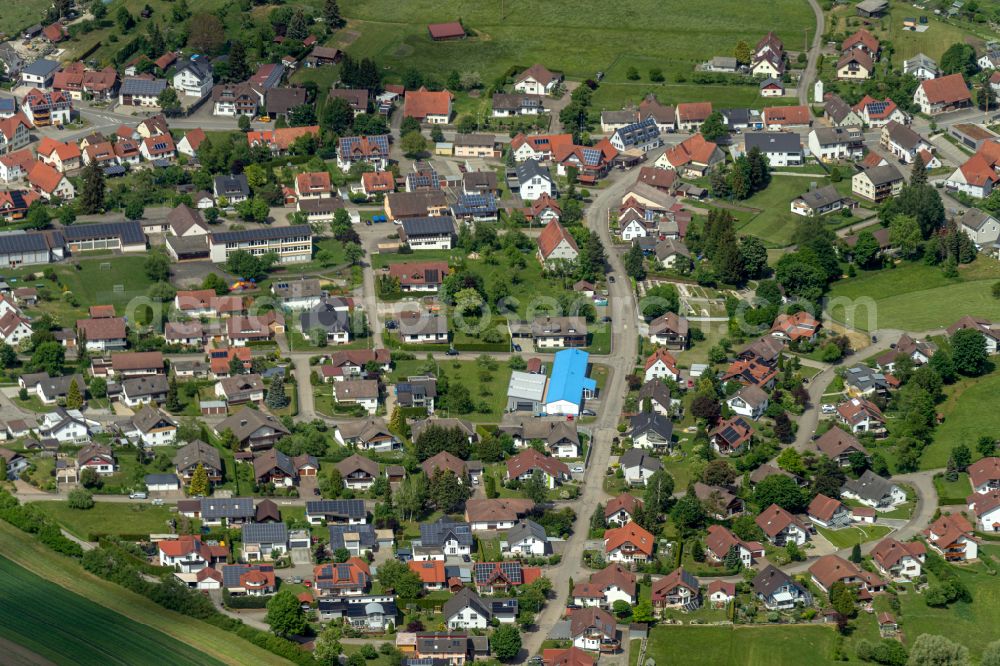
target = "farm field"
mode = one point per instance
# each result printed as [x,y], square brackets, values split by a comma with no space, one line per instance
[749,646]
[915,297]
[70,629]
[217,645]
[592,36]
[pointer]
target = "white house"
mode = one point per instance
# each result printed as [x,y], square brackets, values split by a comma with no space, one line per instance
[537,80]
[534,180]
[527,539]
[466,610]
[875,491]
[661,364]
[750,401]
[975,178]
[194,77]
[781,149]
[67,425]
[899,560]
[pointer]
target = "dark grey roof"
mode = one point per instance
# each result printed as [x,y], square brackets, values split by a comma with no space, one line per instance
[734,118]
[656,391]
[324,205]
[227,507]
[465,598]
[864,378]
[231,573]
[869,486]
[157,479]
[524,529]
[822,196]
[265,533]
[262,233]
[770,579]
[130,232]
[881,175]
[428,226]
[366,535]
[233,183]
[528,169]
[774,142]
[651,422]
[200,67]
[198,452]
[18,241]
[141,386]
[325,316]
[436,533]
[638,457]
[639,133]
[143,87]
[442,643]
[354,508]
[41,67]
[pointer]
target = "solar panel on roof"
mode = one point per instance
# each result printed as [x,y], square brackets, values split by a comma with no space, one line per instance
[877,108]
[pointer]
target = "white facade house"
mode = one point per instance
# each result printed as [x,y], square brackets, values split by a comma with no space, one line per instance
[194,78]
[534,180]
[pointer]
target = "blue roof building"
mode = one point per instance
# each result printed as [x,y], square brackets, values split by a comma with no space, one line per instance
[569,384]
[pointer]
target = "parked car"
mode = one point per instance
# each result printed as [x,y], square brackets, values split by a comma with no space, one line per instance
[139,495]
[452,351]
[578,469]
[828,409]
[588,412]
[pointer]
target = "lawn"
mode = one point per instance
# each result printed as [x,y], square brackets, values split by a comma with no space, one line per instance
[112,611]
[618,95]
[69,628]
[961,622]
[952,492]
[969,412]
[592,36]
[776,224]
[109,518]
[906,43]
[19,15]
[845,538]
[748,646]
[915,297]
[110,280]
[468,373]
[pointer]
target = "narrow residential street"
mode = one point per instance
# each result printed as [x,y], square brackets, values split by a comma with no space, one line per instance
[809,73]
[622,305]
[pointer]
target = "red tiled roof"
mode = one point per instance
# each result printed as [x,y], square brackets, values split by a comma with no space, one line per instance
[946,89]
[888,552]
[378,181]
[823,507]
[796,326]
[831,568]
[195,137]
[984,470]
[694,111]
[977,171]
[44,177]
[630,533]
[8,126]
[695,149]
[450,30]
[102,329]
[861,38]
[774,519]
[530,459]
[625,502]
[551,236]
[430,572]
[787,115]
[313,181]
[55,32]
[422,103]
[662,355]
[65,151]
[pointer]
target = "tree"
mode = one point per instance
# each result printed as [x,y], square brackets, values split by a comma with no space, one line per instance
[331,14]
[80,498]
[635,263]
[91,199]
[399,578]
[276,398]
[168,101]
[328,648]
[843,599]
[856,553]
[743,53]
[783,428]
[986,98]
[922,202]
[535,487]
[434,438]
[934,650]
[134,209]
[753,257]
[659,300]
[74,399]
[918,174]
[38,216]
[968,352]
[990,655]
[986,446]
[866,250]
[8,357]
[173,402]
[781,490]
[959,58]
[298,26]
[688,513]
[505,642]
[706,409]
[413,144]
[247,266]
[199,482]
[904,233]
[89,478]
[591,259]
[659,491]
[206,34]
[714,127]
[49,356]
[446,491]
[124,19]
[285,614]
[719,473]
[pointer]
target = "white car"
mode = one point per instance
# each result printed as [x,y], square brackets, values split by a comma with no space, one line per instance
[578,469]
[829,409]
[138,495]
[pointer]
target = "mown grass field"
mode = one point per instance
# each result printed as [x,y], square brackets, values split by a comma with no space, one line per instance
[16,16]
[67,628]
[109,518]
[68,577]
[915,297]
[775,225]
[847,537]
[969,412]
[578,38]
[748,646]
[493,391]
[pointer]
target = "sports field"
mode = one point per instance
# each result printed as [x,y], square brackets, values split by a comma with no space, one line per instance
[68,629]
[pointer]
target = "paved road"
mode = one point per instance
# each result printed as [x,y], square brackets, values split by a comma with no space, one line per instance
[809,73]
[624,349]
